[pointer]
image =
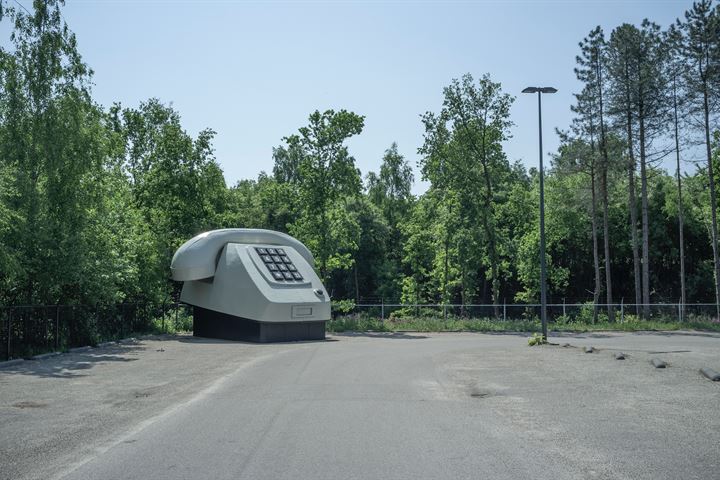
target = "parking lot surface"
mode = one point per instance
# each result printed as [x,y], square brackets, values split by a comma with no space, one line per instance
[367,406]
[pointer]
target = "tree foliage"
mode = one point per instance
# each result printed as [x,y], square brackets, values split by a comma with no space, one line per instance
[94,200]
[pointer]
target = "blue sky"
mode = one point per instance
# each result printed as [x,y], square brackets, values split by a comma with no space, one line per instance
[253,71]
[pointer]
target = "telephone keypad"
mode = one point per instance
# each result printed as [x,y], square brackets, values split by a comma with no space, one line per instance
[279,264]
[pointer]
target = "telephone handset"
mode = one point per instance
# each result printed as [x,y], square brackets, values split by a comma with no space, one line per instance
[197,258]
[251,284]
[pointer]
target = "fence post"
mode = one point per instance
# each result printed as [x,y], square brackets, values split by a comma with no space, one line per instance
[162,311]
[622,309]
[382,309]
[504,312]
[9,342]
[177,307]
[57,328]
[564,316]
[444,311]
[679,312]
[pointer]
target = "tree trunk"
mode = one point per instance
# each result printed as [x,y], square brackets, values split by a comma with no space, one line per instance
[631,193]
[632,206]
[713,200]
[606,234]
[445,268]
[680,205]
[645,226]
[596,255]
[463,293]
[357,286]
[604,194]
[490,231]
[487,216]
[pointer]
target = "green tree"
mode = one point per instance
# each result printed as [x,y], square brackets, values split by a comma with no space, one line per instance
[674,73]
[390,192]
[591,70]
[176,184]
[327,175]
[637,67]
[578,156]
[463,156]
[51,149]
[700,50]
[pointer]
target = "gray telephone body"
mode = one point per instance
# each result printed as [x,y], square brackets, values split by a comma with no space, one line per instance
[251,284]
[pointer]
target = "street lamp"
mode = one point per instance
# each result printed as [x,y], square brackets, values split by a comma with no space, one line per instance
[543,272]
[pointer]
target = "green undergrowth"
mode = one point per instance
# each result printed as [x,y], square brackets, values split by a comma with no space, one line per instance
[173,322]
[637,325]
[363,323]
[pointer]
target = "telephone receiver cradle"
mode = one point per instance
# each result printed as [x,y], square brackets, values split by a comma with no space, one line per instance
[251,284]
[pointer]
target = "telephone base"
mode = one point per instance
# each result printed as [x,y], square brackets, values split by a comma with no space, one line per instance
[212,324]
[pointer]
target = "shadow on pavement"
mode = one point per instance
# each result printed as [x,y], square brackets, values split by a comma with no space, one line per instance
[582,334]
[389,335]
[220,341]
[673,333]
[71,365]
[681,333]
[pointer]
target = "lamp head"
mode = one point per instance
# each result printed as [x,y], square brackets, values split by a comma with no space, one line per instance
[540,89]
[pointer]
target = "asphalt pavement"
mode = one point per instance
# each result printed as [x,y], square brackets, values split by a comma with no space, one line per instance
[370,406]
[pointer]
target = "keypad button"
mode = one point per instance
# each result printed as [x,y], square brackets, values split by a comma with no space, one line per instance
[288,275]
[282,267]
[267,258]
[291,267]
[296,276]
[280,251]
[286,259]
[261,251]
[277,275]
[276,258]
[272,251]
[272,267]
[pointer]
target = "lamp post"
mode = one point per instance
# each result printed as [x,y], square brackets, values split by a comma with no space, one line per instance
[543,267]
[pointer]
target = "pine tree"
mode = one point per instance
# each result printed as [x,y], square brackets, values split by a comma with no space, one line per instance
[591,71]
[700,50]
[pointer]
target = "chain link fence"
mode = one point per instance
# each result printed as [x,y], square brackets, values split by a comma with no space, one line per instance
[27,330]
[557,312]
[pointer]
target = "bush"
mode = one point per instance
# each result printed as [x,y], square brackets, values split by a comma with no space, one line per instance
[357,323]
[585,315]
[343,306]
[173,321]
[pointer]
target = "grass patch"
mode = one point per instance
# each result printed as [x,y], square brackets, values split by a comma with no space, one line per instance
[365,323]
[173,322]
[638,325]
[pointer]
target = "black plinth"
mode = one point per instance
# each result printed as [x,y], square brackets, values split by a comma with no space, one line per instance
[212,324]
